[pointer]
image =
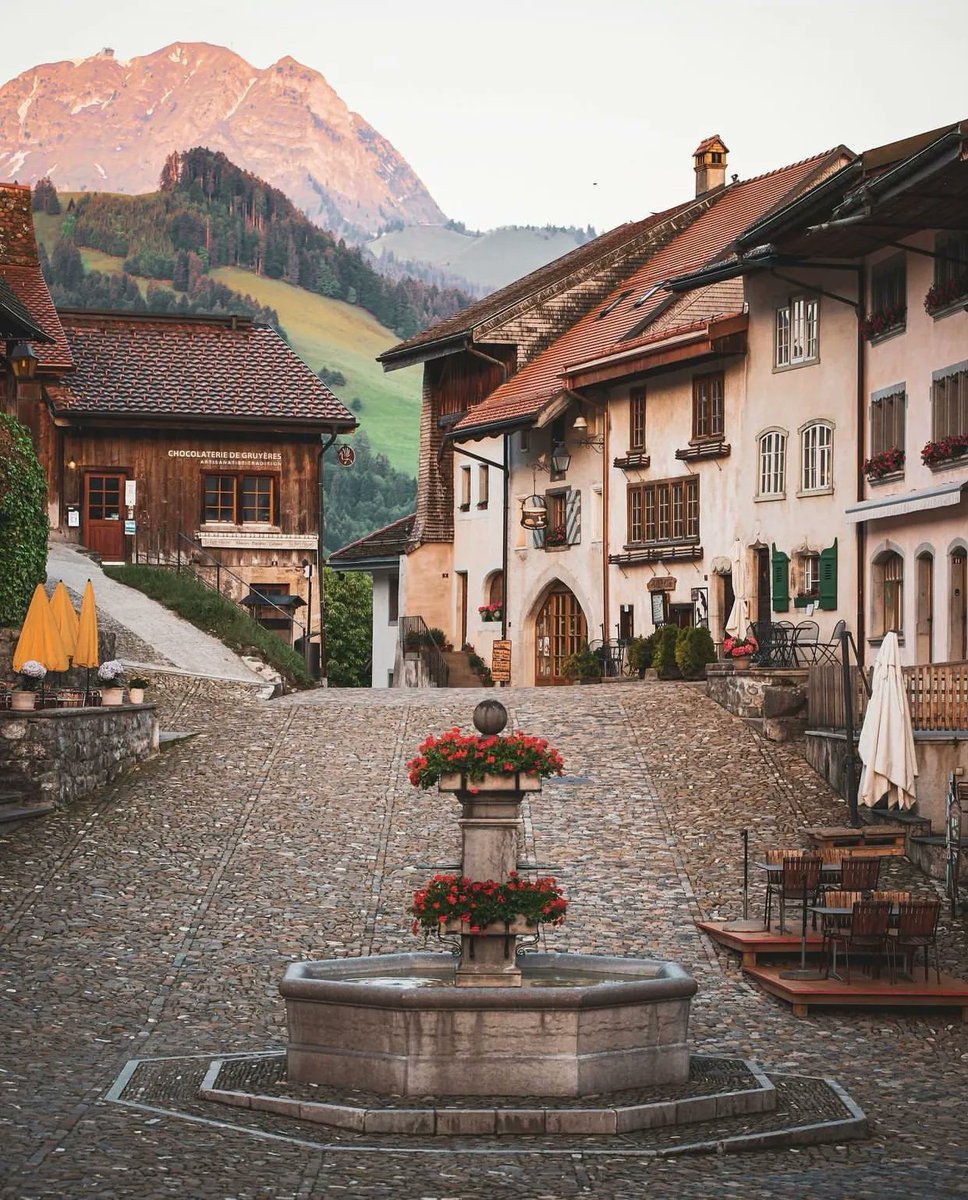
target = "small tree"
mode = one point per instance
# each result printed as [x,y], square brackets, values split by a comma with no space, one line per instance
[664,651]
[45,197]
[694,649]
[348,611]
[23,521]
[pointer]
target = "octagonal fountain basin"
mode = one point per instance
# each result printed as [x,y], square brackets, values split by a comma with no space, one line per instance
[580,1025]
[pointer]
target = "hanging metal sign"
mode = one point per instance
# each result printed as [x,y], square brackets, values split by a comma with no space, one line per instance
[346,455]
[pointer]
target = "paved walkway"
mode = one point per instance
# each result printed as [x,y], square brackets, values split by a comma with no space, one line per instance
[157,919]
[158,632]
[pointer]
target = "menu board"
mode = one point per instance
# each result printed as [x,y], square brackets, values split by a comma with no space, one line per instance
[501,662]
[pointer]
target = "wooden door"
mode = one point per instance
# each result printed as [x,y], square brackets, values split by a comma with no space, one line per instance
[957,608]
[103,530]
[462,606]
[925,606]
[764,613]
[559,631]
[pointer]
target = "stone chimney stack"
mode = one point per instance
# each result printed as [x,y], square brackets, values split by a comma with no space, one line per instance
[710,160]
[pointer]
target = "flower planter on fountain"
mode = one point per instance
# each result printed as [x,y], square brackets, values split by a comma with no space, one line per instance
[495,1023]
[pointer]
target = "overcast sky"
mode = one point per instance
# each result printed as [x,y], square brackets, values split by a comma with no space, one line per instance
[554,111]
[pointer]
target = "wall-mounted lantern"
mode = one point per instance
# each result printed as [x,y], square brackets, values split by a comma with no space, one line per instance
[23,360]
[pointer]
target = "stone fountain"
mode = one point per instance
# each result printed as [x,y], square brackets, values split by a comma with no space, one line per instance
[499,1020]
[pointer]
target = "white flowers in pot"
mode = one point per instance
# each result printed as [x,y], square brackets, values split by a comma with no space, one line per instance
[111,675]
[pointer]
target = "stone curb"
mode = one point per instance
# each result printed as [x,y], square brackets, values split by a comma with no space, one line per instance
[449,1122]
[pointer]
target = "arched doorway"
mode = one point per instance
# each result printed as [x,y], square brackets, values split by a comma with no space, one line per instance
[559,631]
[925,608]
[958,605]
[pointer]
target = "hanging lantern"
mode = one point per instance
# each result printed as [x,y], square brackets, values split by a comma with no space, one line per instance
[534,512]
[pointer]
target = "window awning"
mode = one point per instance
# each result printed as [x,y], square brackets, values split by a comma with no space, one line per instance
[897,505]
[261,600]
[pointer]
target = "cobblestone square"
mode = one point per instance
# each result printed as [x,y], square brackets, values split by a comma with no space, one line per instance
[157,919]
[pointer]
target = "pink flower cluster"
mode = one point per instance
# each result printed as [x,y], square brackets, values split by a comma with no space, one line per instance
[740,647]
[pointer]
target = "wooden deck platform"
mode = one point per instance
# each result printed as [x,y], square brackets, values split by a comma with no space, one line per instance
[760,941]
[862,991]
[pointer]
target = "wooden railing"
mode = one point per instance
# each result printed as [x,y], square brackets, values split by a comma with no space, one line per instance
[937,696]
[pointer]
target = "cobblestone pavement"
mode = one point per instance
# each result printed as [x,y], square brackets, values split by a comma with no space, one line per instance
[157,919]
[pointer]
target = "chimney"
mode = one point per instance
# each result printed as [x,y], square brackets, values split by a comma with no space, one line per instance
[710,161]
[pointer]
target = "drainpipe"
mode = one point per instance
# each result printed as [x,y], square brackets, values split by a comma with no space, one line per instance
[605,431]
[861,532]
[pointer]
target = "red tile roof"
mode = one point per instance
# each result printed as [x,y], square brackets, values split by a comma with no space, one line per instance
[130,364]
[492,306]
[388,542]
[625,316]
[20,271]
[706,143]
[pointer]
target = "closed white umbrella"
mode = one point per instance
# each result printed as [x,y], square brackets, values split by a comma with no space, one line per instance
[738,620]
[886,743]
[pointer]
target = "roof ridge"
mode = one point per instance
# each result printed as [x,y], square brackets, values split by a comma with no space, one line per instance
[800,162]
[375,533]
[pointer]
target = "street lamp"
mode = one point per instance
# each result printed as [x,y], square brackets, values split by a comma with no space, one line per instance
[560,459]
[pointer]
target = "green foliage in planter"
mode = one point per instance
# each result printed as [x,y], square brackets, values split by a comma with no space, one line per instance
[23,521]
[212,612]
[583,664]
[694,649]
[640,654]
[664,651]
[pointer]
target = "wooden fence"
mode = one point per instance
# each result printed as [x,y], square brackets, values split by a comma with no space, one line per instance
[937,696]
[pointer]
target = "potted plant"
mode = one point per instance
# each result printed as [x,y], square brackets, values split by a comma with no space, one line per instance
[31,677]
[664,651]
[946,450]
[456,904]
[556,535]
[516,759]
[946,294]
[740,650]
[137,686]
[883,320]
[694,649]
[640,655]
[111,674]
[584,666]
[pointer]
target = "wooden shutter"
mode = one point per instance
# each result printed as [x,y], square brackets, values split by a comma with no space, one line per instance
[828,577]
[573,518]
[537,538]
[780,565]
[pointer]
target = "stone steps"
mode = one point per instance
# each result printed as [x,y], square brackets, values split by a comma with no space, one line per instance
[14,808]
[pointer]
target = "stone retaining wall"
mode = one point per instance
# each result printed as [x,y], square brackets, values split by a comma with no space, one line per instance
[775,700]
[56,755]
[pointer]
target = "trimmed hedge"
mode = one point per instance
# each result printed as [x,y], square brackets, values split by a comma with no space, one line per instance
[694,649]
[23,521]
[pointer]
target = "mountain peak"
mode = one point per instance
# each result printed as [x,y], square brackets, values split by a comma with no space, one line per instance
[105,124]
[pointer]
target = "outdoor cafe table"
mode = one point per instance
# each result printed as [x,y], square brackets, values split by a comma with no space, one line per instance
[776,869]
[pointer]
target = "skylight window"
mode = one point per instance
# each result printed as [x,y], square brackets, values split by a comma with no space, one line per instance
[614,304]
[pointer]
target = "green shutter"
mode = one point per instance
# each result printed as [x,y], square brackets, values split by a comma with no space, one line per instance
[780,564]
[828,577]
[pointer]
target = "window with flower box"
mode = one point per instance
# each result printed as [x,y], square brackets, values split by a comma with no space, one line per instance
[888,307]
[949,403]
[816,457]
[771,476]
[234,499]
[708,406]
[950,272]
[888,410]
[797,332]
[665,511]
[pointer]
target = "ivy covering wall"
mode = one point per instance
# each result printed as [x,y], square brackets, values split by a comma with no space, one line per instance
[23,521]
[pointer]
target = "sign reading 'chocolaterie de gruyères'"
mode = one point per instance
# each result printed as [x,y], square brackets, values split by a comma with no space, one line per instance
[226,458]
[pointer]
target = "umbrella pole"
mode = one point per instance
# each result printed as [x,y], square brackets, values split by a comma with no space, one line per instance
[745,925]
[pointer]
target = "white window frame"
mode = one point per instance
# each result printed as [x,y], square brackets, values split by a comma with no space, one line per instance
[771,449]
[816,457]
[465,489]
[810,575]
[797,332]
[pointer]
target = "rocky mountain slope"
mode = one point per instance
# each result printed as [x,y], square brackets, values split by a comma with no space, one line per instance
[102,124]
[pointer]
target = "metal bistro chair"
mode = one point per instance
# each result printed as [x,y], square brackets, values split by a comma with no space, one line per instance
[917,929]
[867,931]
[806,642]
[800,883]
[830,651]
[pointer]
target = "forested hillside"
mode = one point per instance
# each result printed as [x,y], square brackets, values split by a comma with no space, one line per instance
[210,213]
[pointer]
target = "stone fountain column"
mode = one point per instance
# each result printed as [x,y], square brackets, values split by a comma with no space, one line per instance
[491,827]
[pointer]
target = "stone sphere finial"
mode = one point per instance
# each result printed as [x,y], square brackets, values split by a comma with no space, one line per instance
[490,717]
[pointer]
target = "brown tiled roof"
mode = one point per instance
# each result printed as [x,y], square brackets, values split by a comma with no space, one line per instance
[129,364]
[15,321]
[388,542]
[627,314]
[710,141]
[20,271]
[547,276]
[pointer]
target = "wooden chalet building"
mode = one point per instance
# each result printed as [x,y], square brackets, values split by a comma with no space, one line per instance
[167,437]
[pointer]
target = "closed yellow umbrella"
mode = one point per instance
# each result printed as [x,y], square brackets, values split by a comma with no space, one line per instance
[40,638]
[85,652]
[65,618]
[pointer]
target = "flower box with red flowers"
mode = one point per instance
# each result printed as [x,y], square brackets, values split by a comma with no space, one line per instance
[888,462]
[949,449]
[456,904]
[946,294]
[883,321]
[734,647]
[556,535]
[490,612]
[474,763]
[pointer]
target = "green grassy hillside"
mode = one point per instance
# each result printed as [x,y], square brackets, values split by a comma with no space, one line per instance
[324,333]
